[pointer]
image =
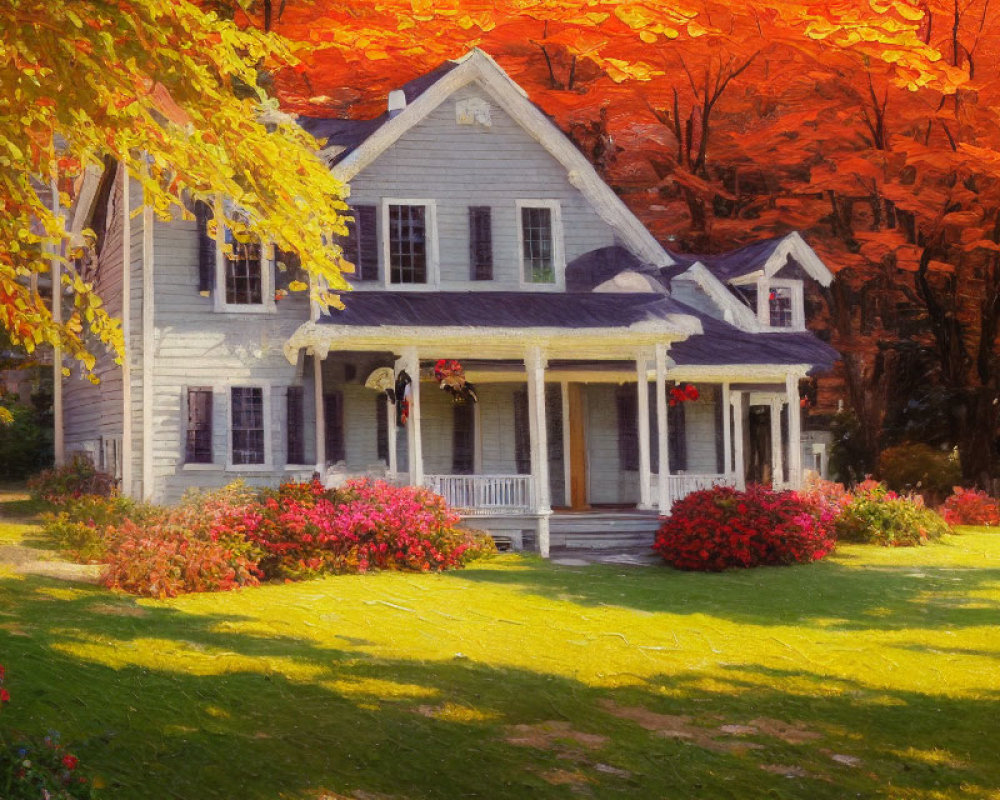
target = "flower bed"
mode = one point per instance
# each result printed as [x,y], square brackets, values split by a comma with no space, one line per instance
[971,507]
[719,528]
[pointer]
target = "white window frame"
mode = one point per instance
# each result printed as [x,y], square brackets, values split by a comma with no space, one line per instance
[764,286]
[267,304]
[558,248]
[265,388]
[433,252]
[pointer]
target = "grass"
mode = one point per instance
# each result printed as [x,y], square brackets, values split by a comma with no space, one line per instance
[873,674]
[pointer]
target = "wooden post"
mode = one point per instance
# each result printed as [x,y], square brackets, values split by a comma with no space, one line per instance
[535,363]
[415,446]
[727,433]
[320,414]
[738,468]
[777,465]
[794,432]
[127,488]
[642,395]
[663,497]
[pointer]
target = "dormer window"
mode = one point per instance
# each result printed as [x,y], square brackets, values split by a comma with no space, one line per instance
[779,301]
[776,302]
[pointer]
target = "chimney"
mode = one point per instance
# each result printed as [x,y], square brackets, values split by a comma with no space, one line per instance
[397,101]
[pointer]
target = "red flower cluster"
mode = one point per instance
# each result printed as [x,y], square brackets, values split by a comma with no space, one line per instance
[448,368]
[719,528]
[970,507]
[682,393]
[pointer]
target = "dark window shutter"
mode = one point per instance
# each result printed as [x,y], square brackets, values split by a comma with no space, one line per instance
[382,427]
[654,432]
[676,436]
[199,427]
[522,433]
[361,244]
[721,420]
[203,214]
[294,424]
[628,428]
[333,406]
[481,243]
[463,446]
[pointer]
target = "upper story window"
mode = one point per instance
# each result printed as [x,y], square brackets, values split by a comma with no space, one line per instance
[244,270]
[234,265]
[780,306]
[408,250]
[539,241]
[777,302]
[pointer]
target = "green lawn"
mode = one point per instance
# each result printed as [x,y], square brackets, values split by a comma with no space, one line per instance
[873,674]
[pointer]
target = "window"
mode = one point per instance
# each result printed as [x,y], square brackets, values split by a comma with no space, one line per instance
[243,274]
[480,243]
[198,449]
[244,278]
[539,231]
[248,425]
[361,244]
[295,422]
[407,237]
[780,307]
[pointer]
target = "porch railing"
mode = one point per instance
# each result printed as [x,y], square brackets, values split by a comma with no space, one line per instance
[679,486]
[484,495]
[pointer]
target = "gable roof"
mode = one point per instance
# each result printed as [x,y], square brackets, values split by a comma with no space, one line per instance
[353,145]
[764,258]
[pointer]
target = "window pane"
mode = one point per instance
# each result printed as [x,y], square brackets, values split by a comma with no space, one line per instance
[536,244]
[243,275]
[407,244]
[198,448]
[248,425]
[780,305]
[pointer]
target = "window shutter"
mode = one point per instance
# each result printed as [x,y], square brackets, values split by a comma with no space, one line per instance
[333,405]
[463,439]
[199,427]
[677,437]
[361,244]
[654,432]
[203,214]
[522,434]
[721,420]
[293,431]
[382,428]
[481,243]
[628,430]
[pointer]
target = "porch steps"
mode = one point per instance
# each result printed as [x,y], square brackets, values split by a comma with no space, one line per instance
[603,530]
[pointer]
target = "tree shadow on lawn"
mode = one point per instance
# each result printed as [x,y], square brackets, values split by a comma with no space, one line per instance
[167,703]
[838,596]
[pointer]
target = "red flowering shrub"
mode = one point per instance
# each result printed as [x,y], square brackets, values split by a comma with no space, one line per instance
[718,528]
[970,507]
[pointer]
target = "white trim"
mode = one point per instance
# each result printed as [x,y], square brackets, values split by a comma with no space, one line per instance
[642,419]
[777,457]
[662,434]
[148,352]
[534,364]
[739,468]
[414,441]
[733,310]
[265,388]
[797,247]
[126,485]
[479,67]
[558,282]
[202,467]
[433,255]
[794,432]
[320,412]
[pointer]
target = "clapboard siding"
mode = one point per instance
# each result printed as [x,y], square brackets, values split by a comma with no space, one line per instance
[459,166]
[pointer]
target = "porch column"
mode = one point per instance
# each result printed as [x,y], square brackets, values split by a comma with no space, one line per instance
[320,414]
[777,462]
[794,432]
[662,497]
[727,432]
[739,471]
[642,389]
[567,447]
[534,363]
[414,441]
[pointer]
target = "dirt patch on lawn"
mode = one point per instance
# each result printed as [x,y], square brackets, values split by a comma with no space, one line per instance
[554,735]
[676,726]
[47,564]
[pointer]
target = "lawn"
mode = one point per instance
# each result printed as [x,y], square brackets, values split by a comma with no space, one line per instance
[872,674]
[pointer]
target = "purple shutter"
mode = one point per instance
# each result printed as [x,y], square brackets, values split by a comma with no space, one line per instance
[463,439]
[361,244]
[203,214]
[295,423]
[382,428]
[333,405]
[481,243]
[522,434]
[628,430]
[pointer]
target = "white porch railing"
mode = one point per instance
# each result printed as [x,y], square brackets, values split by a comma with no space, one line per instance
[484,495]
[679,486]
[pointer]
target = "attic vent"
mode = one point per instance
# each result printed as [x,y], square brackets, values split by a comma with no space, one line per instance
[397,101]
[473,111]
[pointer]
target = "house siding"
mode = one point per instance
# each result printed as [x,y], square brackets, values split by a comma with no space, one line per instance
[459,166]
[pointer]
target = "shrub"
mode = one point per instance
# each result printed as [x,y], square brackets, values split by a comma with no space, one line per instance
[718,528]
[77,478]
[25,442]
[877,515]
[79,525]
[920,468]
[30,769]
[971,507]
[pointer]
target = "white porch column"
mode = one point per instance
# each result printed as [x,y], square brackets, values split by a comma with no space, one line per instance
[727,432]
[320,415]
[662,496]
[642,389]
[415,446]
[777,461]
[739,471]
[794,432]
[534,363]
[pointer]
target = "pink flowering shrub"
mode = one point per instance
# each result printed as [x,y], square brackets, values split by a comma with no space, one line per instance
[970,507]
[719,528]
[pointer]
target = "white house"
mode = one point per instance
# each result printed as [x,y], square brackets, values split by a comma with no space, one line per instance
[481,235]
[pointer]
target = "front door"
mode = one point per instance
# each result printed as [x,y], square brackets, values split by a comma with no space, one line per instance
[577,449]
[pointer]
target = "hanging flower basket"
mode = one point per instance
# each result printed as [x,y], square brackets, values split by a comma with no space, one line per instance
[450,376]
[682,393]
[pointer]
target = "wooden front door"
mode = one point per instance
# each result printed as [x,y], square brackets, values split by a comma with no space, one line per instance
[577,449]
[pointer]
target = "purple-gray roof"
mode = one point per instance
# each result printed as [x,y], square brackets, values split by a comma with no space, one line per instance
[594,268]
[735,263]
